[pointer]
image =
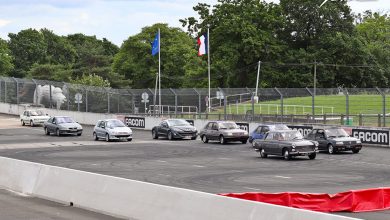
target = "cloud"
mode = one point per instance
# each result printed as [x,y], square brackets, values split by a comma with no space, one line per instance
[4,22]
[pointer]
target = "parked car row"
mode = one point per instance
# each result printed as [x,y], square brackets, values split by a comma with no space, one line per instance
[221,131]
[108,129]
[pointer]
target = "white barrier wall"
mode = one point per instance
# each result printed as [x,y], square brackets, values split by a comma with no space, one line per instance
[133,199]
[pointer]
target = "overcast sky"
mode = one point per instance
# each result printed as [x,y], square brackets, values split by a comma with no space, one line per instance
[115,20]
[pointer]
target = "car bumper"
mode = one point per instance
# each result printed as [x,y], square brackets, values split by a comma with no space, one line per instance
[121,137]
[347,147]
[71,131]
[185,135]
[303,153]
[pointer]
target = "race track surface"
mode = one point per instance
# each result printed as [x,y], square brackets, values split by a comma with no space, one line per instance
[212,167]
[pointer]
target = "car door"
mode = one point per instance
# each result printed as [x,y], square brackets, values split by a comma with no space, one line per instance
[100,129]
[214,133]
[267,143]
[52,126]
[24,116]
[321,139]
[163,129]
[264,130]
[206,130]
[257,133]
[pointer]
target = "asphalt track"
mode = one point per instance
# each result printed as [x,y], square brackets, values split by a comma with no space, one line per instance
[194,165]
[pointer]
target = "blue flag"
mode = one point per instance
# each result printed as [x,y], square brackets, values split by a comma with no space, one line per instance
[155,45]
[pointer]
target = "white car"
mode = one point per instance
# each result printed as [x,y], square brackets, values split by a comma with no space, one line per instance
[112,129]
[33,117]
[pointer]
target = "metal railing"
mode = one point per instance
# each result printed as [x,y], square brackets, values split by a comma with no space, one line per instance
[357,106]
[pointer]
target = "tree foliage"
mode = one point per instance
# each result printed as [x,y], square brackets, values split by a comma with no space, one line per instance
[6,65]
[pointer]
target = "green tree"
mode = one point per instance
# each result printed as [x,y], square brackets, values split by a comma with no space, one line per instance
[54,72]
[59,50]
[27,47]
[92,80]
[241,33]
[179,61]
[6,65]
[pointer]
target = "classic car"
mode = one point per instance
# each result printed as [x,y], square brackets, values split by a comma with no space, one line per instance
[33,117]
[223,131]
[174,129]
[286,143]
[112,129]
[60,125]
[261,129]
[334,139]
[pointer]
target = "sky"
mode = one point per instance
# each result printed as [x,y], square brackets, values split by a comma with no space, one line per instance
[115,20]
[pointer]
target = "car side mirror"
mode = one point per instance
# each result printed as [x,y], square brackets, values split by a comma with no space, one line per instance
[103,126]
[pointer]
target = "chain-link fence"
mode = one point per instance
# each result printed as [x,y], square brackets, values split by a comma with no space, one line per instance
[355,106]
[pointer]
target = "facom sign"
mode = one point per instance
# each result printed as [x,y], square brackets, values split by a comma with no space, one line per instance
[135,122]
[367,136]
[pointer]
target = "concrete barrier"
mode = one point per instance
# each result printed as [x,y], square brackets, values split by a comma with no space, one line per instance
[134,199]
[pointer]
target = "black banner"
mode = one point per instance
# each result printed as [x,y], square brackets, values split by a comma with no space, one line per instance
[367,136]
[135,122]
[303,129]
[243,126]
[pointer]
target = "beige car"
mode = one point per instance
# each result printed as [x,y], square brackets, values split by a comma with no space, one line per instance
[223,131]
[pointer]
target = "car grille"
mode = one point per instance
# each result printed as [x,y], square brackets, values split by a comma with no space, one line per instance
[304,148]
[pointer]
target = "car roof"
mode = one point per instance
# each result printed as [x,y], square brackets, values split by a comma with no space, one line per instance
[281,131]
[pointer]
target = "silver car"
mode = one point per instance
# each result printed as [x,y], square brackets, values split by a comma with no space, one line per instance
[60,125]
[223,131]
[112,129]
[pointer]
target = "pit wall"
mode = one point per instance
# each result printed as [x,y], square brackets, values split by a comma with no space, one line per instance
[369,136]
[137,200]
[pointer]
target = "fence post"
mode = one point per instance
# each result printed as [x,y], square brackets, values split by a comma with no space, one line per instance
[17,90]
[108,101]
[200,101]
[383,105]
[51,96]
[86,100]
[345,91]
[313,111]
[253,106]
[224,103]
[379,120]
[174,93]
[360,119]
[0,87]
[281,103]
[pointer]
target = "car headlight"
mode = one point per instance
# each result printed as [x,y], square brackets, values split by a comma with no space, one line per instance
[358,141]
[316,143]
[339,143]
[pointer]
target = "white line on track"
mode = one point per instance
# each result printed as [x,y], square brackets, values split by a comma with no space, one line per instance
[250,188]
[224,158]
[283,177]
[161,161]
[198,166]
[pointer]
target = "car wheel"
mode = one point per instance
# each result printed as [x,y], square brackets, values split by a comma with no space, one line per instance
[204,139]
[170,135]
[312,156]
[46,131]
[31,123]
[222,140]
[154,134]
[108,138]
[95,137]
[263,154]
[286,154]
[58,132]
[355,151]
[22,122]
[330,149]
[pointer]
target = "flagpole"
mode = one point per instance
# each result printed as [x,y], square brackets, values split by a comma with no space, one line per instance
[159,73]
[208,61]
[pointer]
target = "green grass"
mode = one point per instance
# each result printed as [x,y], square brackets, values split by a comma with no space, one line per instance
[358,104]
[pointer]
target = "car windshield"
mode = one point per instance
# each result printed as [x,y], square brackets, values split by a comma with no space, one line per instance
[336,132]
[227,125]
[63,120]
[281,127]
[178,122]
[36,113]
[288,136]
[115,124]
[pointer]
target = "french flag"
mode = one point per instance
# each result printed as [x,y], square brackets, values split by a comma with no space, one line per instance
[202,42]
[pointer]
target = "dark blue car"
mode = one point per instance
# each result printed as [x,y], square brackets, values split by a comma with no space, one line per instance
[260,131]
